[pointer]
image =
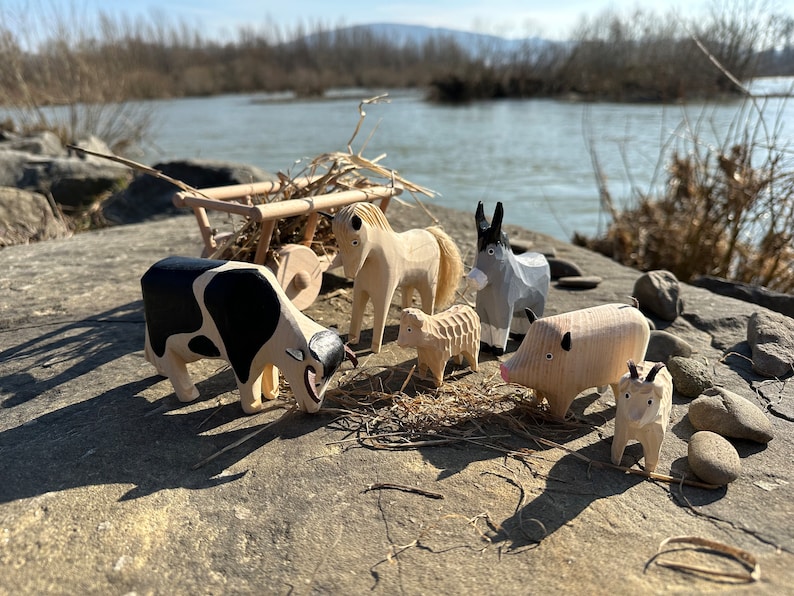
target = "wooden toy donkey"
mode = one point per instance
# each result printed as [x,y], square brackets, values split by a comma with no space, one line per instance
[564,354]
[506,283]
[380,260]
[437,338]
[644,399]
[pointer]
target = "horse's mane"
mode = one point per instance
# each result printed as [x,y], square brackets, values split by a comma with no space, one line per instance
[369,213]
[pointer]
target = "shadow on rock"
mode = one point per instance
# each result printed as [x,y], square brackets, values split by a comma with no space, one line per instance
[93,435]
[570,489]
[73,350]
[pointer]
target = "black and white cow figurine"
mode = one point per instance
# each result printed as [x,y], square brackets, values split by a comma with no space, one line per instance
[202,308]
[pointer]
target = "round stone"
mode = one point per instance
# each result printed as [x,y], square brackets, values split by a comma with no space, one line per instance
[663,345]
[713,459]
[690,376]
[730,415]
[563,268]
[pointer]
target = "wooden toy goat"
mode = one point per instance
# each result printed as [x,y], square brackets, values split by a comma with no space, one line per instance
[437,338]
[644,399]
[380,260]
[564,354]
[506,283]
[202,308]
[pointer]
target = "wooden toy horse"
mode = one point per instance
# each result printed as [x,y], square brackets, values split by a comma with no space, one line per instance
[506,283]
[380,260]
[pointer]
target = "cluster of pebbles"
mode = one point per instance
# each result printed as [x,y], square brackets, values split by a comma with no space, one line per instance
[718,415]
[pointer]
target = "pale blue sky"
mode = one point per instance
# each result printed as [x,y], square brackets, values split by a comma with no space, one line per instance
[554,19]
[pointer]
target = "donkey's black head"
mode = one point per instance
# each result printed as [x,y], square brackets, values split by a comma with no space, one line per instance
[490,233]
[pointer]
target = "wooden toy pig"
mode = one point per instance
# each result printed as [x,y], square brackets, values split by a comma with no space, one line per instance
[202,308]
[564,354]
[380,260]
[437,338]
[644,399]
[506,283]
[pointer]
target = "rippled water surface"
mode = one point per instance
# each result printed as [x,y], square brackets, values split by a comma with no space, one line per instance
[536,156]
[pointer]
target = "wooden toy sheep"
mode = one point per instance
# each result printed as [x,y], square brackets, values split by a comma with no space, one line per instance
[380,260]
[437,338]
[202,308]
[506,283]
[644,399]
[564,354]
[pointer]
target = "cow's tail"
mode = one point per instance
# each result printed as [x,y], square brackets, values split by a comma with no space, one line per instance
[450,270]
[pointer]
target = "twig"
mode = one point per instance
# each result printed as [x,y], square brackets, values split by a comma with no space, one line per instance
[141,167]
[242,440]
[742,556]
[404,488]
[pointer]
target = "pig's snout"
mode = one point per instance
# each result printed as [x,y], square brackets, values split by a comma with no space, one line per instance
[505,372]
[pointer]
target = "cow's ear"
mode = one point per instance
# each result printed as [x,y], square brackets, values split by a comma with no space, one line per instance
[356,223]
[531,315]
[566,341]
[296,354]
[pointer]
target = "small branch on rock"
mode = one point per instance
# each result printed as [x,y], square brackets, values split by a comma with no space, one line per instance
[402,487]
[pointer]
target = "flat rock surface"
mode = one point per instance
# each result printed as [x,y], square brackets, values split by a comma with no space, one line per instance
[100,492]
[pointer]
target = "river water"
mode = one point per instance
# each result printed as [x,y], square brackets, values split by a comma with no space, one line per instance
[536,156]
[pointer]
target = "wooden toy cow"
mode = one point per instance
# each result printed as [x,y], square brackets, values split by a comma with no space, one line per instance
[564,354]
[202,308]
[506,283]
[437,338]
[644,400]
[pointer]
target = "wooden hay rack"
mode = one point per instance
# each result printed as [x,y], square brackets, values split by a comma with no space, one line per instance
[297,267]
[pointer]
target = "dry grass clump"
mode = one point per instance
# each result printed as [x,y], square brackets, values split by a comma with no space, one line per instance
[725,211]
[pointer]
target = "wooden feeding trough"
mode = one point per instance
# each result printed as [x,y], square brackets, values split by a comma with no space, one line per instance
[297,267]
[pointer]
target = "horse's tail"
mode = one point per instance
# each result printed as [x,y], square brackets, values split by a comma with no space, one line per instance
[450,270]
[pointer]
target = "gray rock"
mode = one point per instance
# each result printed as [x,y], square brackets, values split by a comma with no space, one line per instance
[663,345]
[12,166]
[75,182]
[658,293]
[563,268]
[41,164]
[27,217]
[713,459]
[759,295]
[148,198]
[730,415]
[771,340]
[41,143]
[690,377]
[582,282]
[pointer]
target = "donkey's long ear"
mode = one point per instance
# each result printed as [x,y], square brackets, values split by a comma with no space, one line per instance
[496,222]
[479,218]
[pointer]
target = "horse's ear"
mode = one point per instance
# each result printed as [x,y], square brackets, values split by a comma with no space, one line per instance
[356,223]
[566,341]
[479,218]
[531,315]
[326,214]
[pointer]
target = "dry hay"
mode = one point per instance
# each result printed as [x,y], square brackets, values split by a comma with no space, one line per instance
[329,173]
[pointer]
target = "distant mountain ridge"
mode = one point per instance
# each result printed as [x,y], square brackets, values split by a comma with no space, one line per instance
[402,35]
